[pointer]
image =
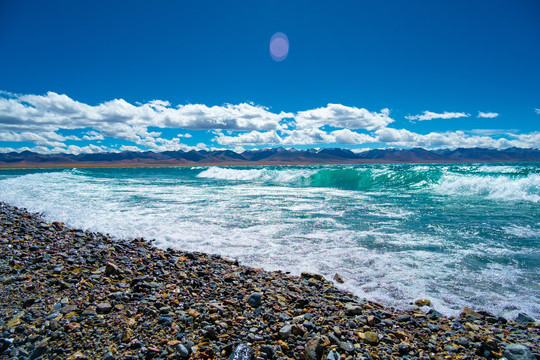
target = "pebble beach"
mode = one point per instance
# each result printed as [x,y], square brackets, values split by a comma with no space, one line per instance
[73,294]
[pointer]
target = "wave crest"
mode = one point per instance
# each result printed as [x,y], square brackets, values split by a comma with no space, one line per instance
[492,187]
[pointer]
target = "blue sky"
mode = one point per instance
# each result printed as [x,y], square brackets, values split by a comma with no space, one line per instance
[89,76]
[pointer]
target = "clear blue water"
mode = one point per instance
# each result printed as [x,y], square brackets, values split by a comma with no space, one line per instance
[457,234]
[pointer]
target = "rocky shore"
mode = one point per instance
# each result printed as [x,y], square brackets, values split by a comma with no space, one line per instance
[72,294]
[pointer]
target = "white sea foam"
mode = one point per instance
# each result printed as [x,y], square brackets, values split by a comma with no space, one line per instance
[492,187]
[499,169]
[279,176]
[523,231]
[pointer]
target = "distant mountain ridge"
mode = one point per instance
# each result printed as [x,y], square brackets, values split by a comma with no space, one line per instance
[269,156]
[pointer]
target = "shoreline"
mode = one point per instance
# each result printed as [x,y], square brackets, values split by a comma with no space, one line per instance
[69,293]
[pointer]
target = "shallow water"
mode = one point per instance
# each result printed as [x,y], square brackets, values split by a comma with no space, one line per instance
[458,234]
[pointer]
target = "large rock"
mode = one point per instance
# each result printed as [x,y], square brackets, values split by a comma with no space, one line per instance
[255,299]
[518,352]
[524,319]
[313,349]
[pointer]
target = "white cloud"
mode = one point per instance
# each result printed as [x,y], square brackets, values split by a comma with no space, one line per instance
[50,139]
[93,135]
[294,137]
[252,138]
[89,149]
[40,119]
[491,132]
[406,138]
[488,115]
[54,111]
[346,136]
[4,150]
[318,136]
[429,115]
[118,119]
[341,116]
[131,148]
[531,140]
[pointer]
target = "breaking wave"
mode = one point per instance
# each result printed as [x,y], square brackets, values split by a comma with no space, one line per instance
[493,182]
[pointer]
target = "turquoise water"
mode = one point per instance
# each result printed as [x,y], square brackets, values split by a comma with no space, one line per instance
[458,234]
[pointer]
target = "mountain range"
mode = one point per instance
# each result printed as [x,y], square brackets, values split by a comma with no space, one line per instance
[271,156]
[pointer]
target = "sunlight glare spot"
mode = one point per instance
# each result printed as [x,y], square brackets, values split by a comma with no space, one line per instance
[279,46]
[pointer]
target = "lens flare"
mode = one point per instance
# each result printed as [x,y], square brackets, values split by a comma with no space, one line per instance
[279,46]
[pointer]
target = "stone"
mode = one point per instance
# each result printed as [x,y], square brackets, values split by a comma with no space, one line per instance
[103,308]
[346,346]
[298,330]
[524,319]
[68,308]
[51,316]
[371,338]
[165,320]
[108,356]
[338,278]
[313,349]
[126,336]
[285,331]
[268,351]
[182,351]
[317,277]
[353,309]
[210,332]
[111,269]
[470,312]
[255,299]
[38,351]
[333,355]
[422,302]
[241,352]
[404,348]
[518,352]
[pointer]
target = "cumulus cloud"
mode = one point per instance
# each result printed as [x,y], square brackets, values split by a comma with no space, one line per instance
[318,136]
[252,138]
[341,116]
[294,137]
[488,115]
[131,148]
[89,149]
[92,136]
[53,111]
[40,120]
[50,139]
[455,139]
[429,115]
[35,118]
[491,132]
[531,140]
